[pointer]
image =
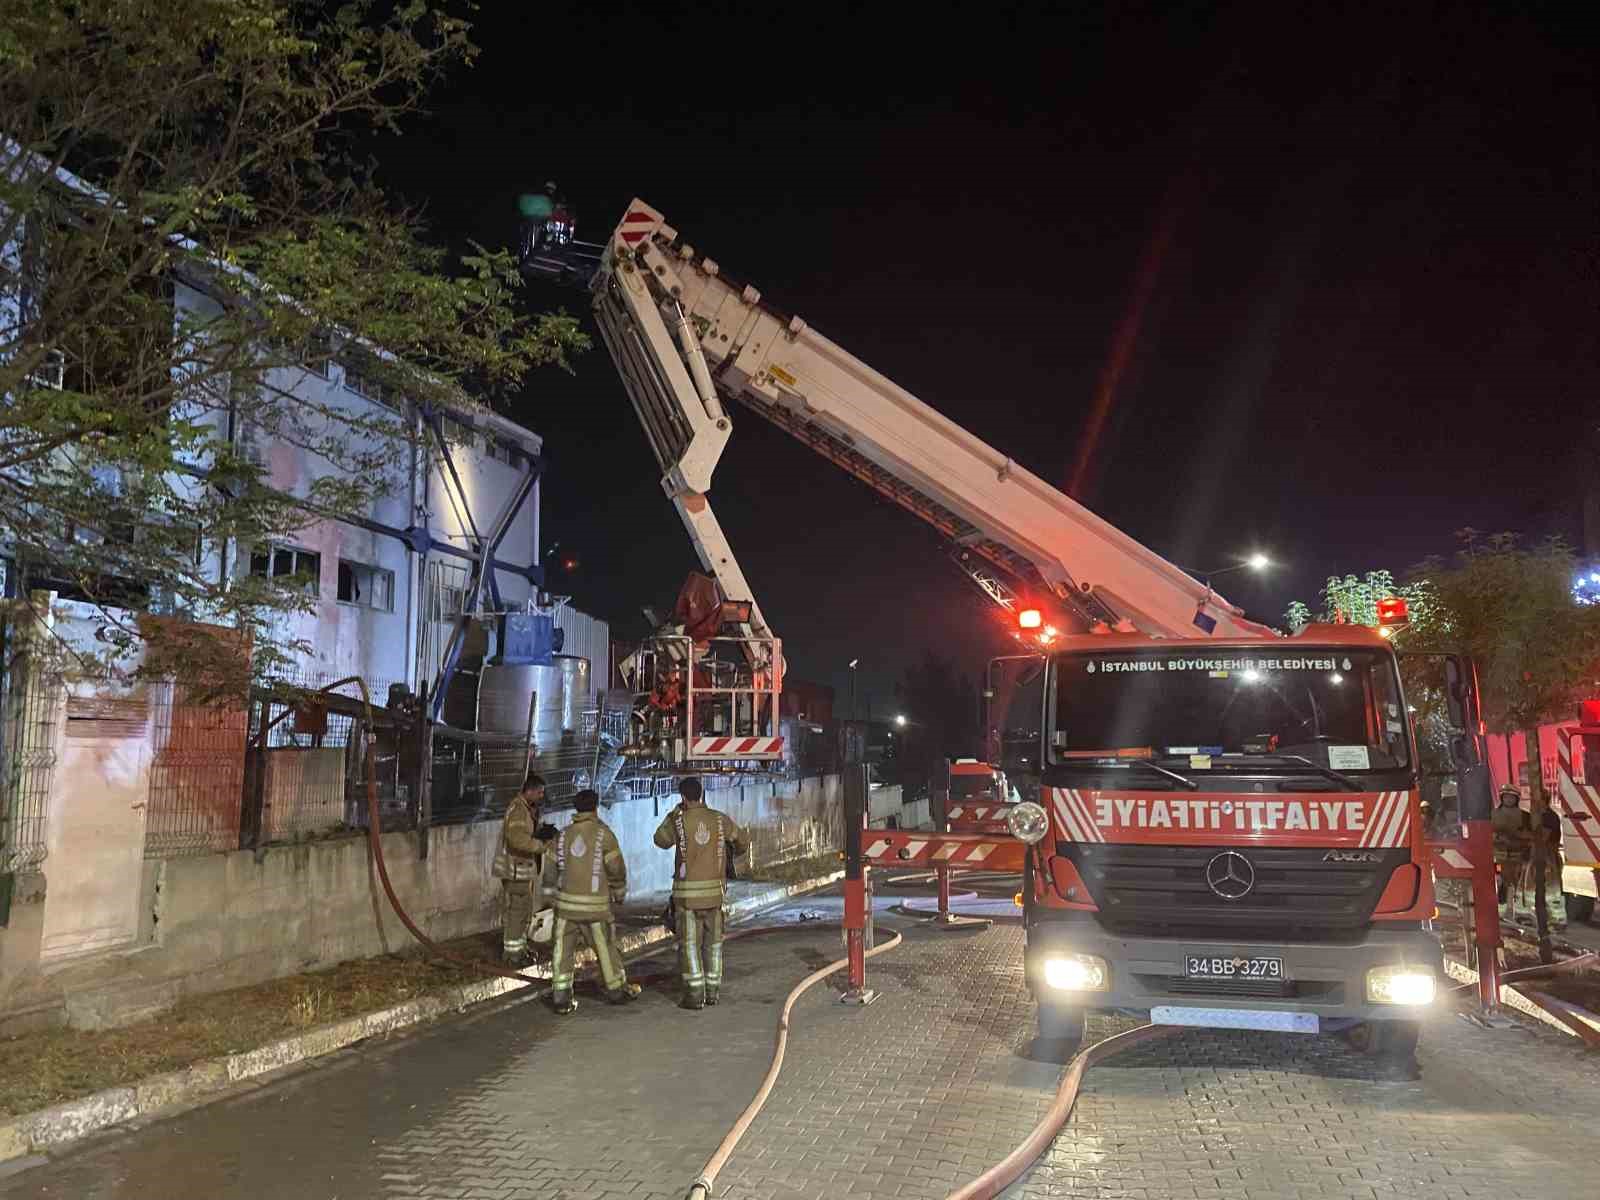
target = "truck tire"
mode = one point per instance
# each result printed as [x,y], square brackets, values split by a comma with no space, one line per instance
[1060,1025]
[1579,908]
[1387,1041]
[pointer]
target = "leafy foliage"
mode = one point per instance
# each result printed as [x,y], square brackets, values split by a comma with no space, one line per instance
[1354,600]
[1512,609]
[209,142]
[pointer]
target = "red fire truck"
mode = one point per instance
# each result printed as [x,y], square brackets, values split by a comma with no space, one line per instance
[1231,838]
[1229,830]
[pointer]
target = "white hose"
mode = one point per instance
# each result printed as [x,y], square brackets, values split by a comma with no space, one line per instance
[701,1188]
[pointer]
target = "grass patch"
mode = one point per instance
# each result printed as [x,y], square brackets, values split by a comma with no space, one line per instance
[38,1070]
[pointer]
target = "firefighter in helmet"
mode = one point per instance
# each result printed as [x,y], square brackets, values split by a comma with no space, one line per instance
[518,864]
[700,837]
[584,866]
[1510,840]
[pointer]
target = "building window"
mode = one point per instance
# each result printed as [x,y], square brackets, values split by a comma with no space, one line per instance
[360,377]
[317,356]
[459,433]
[288,563]
[369,587]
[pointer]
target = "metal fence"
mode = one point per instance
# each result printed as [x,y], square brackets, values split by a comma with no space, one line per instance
[30,703]
[305,769]
[196,775]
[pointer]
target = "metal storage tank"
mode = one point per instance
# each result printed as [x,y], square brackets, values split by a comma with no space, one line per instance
[576,692]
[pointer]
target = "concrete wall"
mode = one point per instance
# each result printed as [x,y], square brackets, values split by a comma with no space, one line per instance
[787,820]
[218,921]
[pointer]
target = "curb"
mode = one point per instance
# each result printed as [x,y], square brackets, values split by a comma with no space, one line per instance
[51,1128]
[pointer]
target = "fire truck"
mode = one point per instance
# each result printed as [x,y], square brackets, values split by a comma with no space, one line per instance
[1228,830]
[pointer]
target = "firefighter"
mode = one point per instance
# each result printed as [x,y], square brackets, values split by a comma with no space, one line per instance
[1508,840]
[584,866]
[700,837]
[518,864]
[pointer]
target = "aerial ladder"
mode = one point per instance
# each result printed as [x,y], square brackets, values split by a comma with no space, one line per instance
[690,341]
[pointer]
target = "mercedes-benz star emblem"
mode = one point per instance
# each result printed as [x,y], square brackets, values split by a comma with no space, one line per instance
[1230,875]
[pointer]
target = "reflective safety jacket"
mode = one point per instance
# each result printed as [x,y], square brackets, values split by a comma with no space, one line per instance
[520,848]
[698,835]
[585,869]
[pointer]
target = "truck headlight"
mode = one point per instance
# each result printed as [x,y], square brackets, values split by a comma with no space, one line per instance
[1027,822]
[1401,984]
[1077,973]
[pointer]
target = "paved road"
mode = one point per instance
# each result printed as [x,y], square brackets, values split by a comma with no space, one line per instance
[903,1099]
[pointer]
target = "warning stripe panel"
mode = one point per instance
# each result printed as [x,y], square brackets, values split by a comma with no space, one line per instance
[886,849]
[732,747]
[1579,797]
[1080,807]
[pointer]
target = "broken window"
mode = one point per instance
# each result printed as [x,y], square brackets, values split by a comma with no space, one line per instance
[367,586]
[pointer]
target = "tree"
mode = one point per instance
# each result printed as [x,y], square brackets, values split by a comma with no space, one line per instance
[1354,600]
[940,706]
[1537,649]
[212,141]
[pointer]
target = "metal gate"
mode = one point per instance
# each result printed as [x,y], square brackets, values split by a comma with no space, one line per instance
[196,775]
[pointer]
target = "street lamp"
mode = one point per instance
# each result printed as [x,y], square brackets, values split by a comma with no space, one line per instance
[853,713]
[900,719]
[1256,562]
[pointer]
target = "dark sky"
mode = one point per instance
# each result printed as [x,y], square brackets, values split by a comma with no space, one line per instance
[1352,263]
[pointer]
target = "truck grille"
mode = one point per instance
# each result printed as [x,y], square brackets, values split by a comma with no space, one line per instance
[1177,985]
[1163,889]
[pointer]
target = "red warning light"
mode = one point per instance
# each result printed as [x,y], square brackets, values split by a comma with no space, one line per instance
[1392,611]
[1030,618]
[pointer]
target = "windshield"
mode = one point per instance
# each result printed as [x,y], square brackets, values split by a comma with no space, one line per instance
[1340,709]
[964,787]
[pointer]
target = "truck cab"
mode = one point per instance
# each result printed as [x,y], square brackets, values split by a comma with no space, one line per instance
[979,794]
[1234,837]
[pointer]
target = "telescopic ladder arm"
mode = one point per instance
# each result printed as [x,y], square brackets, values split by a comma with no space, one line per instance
[686,338]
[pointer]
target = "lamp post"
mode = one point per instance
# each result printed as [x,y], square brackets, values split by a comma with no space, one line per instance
[1256,562]
[853,713]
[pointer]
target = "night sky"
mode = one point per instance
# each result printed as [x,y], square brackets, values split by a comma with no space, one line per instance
[1327,290]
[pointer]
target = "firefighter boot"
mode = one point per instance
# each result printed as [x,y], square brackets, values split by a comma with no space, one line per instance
[711,997]
[563,1004]
[626,994]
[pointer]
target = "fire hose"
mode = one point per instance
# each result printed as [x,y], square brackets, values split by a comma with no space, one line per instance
[987,1186]
[701,1188]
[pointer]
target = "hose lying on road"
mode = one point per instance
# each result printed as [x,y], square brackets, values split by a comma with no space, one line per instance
[701,1188]
[1006,1172]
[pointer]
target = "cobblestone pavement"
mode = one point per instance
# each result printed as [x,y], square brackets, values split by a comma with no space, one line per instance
[906,1098]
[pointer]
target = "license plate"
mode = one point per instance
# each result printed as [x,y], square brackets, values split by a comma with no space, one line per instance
[1233,966]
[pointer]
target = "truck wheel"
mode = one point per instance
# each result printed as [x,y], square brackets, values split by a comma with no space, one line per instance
[1387,1041]
[1060,1024]
[1579,908]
